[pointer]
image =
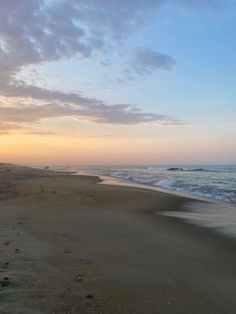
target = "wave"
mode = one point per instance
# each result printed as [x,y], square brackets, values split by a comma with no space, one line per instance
[176,185]
[216,182]
[126,176]
[190,169]
[166,183]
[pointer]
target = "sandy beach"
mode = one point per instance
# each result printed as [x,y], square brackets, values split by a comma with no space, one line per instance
[70,245]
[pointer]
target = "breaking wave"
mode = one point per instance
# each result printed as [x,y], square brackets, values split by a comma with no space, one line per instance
[214,182]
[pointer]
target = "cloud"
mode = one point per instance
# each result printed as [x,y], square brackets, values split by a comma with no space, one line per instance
[59,104]
[31,33]
[34,32]
[41,133]
[5,127]
[118,19]
[2,133]
[147,60]
[116,114]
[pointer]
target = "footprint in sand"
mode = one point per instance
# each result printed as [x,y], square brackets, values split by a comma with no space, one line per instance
[90,296]
[85,261]
[79,278]
[5,265]
[7,243]
[5,282]
[67,251]
[16,251]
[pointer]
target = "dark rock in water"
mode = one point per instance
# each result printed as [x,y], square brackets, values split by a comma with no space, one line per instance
[198,169]
[175,169]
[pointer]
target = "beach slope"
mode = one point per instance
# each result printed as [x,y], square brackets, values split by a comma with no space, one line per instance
[71,245]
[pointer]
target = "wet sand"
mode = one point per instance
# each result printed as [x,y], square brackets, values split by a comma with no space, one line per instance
[70,245]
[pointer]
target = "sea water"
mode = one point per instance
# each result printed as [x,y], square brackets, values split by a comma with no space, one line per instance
[217,182]
[214,182]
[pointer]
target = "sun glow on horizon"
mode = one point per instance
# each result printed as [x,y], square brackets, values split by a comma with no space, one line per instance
[153,85]
[57,149]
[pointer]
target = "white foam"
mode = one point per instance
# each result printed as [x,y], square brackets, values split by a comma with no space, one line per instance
[209,181]
[221,217]
[166,183]
[215,214]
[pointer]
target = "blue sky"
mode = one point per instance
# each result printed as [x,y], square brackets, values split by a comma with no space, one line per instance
[150,68]
[203,44]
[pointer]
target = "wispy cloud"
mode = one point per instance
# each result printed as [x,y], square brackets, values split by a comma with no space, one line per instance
[116,114]
[34,32]
[145,61]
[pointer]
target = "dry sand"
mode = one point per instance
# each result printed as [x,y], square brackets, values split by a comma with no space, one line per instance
[70,245]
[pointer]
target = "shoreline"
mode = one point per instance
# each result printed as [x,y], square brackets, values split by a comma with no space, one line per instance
[125,182]
[71,245]
[217,216]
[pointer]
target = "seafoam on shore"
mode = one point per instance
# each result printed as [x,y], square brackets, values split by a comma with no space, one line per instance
[218,216]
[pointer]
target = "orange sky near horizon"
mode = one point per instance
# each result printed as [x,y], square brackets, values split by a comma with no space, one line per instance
[117,85]
[54,149]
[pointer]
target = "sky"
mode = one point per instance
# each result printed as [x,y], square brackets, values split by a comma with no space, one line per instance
[117,82]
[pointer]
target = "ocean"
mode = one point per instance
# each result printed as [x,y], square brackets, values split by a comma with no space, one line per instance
[213,182]
[216,182]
